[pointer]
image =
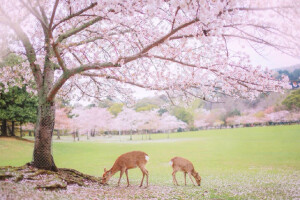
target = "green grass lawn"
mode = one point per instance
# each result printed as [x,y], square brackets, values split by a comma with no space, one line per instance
[232,156]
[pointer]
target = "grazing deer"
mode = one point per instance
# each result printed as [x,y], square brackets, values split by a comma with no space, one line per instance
[184,165]
[127,161]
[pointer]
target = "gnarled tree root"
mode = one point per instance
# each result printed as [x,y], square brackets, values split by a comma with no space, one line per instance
[52,187]
[50,180]
[5,176]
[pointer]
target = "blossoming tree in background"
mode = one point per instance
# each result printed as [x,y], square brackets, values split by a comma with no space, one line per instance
[96,48]
[169,122]
[126,120]
[86,120]
[62,121]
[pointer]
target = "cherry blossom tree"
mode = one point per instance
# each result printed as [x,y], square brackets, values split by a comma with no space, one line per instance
[280,116]
[130,120]
[62,121]
[168,122]
[92,118]
[127,120]
[200,123]
[246,119]
[96,48]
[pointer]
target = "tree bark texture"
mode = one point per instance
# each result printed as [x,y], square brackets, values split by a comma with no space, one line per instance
[42,156]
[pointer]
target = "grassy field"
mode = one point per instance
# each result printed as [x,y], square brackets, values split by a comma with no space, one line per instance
[260,162]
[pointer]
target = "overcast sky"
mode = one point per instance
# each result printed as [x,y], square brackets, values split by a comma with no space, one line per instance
[272,59]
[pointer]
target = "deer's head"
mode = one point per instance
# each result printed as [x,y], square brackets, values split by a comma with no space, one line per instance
[106,176]
[197,178]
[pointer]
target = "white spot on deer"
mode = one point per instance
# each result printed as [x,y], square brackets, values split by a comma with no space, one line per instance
[147,158]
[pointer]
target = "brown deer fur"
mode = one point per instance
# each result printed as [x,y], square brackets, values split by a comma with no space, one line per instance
[127,161]
[186,166]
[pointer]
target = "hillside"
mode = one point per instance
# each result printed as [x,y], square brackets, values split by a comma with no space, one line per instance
[289,68]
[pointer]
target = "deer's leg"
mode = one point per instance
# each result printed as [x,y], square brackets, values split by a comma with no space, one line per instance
[174,177]
[145,172]
[184,178]
[126,172]
[191,178]
[142,179]
[121,174]
[143,175]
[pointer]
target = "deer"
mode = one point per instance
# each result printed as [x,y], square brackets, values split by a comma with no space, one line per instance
[127,161]
[186,166]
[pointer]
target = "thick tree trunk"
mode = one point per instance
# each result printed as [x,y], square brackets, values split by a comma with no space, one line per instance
[42,157]
[4,128]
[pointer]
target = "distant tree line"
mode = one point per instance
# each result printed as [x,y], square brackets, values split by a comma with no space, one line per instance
[293,76]
[292,102]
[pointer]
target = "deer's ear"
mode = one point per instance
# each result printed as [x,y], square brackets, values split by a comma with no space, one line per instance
[105,170]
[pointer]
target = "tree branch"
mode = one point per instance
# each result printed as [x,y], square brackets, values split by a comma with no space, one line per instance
[66,75]
[260,9]
[35,13]
[53,14]
[202,98]
[173,23]
[83,42]
[75,14]
[68,34]
[259,41]
[176,61]
[77,30]
[30,52]
[216,72]
[116,79]
[44,15]
[157,42]
[59,58]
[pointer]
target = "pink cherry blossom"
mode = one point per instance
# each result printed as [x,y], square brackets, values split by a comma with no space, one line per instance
[182,47]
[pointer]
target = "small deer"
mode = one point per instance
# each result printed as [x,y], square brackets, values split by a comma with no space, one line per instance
[127,161]
[186,166]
